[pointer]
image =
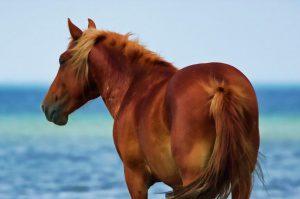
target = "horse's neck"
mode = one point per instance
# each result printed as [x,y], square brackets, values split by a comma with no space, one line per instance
[114,82]
[114,90]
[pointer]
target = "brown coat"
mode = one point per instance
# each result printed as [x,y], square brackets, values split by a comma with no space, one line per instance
[195,129]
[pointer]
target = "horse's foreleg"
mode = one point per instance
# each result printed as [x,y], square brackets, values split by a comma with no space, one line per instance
[138,182]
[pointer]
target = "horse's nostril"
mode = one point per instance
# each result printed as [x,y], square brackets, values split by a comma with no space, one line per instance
[55,98]
[46,111]
[52,114]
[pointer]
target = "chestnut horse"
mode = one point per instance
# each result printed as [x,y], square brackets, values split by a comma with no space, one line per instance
[194,129]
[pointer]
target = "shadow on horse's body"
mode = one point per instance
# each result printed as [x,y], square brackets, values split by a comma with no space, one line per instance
[195,129]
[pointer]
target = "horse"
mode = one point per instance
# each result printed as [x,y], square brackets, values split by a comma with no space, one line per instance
[195,129]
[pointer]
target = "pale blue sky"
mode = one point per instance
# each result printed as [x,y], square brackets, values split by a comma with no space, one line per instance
[261,38]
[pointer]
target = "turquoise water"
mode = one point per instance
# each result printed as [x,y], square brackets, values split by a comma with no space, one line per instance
[41,160]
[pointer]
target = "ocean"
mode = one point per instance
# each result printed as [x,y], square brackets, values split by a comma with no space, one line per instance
[41,160]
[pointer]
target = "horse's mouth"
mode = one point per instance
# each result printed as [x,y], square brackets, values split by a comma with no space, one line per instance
[56,116]
[60,120]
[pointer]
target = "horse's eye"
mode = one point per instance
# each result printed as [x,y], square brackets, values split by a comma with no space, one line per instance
[61,61]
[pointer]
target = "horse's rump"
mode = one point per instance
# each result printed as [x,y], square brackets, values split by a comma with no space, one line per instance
[229,169]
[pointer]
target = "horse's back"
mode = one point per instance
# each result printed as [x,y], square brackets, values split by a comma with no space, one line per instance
[190,82]
[203,72]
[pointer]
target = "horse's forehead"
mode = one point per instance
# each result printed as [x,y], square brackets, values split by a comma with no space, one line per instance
[64,56]
[72,44]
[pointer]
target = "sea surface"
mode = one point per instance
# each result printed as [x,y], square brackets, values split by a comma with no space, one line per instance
[40,160]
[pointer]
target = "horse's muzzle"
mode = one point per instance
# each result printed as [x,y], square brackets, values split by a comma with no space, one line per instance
[54,114]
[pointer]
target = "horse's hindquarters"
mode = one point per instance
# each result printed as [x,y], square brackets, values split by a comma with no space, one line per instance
[213,109]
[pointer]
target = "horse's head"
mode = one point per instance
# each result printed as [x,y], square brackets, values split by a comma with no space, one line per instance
[68,92]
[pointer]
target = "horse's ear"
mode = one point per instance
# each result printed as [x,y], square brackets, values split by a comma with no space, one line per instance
[74,30]
[91,24]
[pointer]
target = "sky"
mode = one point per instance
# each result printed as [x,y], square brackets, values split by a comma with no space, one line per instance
[260,38]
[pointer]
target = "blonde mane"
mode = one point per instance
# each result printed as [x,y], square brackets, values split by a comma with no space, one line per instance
[131,49]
